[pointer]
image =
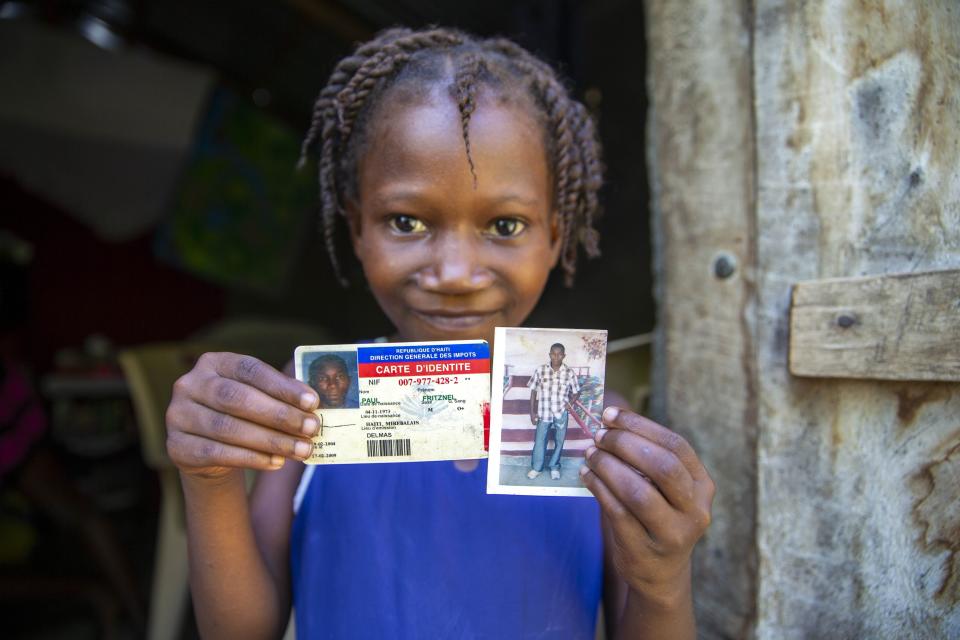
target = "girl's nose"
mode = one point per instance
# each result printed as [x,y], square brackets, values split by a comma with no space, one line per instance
[457,265]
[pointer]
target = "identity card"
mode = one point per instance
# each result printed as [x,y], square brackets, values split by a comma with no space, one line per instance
[398,402]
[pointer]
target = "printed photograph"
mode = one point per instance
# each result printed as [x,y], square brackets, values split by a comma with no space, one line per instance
[546,402]
[333,375]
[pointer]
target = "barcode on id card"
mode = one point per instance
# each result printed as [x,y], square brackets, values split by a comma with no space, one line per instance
[388,448]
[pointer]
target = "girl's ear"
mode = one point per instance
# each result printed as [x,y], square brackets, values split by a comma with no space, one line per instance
[355,226]
[556,238]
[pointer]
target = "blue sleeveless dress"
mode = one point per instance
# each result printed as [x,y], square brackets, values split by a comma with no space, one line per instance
[421,551]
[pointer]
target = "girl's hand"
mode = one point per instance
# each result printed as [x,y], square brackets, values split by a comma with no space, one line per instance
[232,411]
[655,495]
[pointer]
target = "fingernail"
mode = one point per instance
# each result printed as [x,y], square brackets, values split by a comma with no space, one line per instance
[276,461]
[584,470]
[302,449]
[310,426]
[307,401]
[590,451]
[598,436]
[610,414]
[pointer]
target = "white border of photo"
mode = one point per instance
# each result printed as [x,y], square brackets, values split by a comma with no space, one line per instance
[542,485]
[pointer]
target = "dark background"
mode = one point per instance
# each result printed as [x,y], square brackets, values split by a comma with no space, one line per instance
[276,55]
[122,291]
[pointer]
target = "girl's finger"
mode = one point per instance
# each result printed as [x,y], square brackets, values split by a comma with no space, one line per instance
[240,400]
[221,427]
[188,450]
[258,374]
[660,465]
[633,491]
[620,517]
[617,418]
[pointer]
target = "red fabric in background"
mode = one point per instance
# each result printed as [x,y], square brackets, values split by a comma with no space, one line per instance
[80,285]
[22,421]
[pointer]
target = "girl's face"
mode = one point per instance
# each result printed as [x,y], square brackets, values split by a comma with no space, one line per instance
[445,259]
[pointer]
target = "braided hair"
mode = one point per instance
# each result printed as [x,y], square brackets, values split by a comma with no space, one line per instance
[421,60]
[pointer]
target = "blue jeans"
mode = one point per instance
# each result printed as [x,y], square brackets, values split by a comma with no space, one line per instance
[559,425]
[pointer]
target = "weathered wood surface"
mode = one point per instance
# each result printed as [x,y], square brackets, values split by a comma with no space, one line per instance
[858,148]
[700,153]
[892,327]
[804,141]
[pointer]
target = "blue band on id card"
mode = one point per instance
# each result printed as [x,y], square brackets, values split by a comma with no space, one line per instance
[398,402]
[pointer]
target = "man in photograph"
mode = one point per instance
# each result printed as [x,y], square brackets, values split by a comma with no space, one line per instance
[329,376]
[552,386]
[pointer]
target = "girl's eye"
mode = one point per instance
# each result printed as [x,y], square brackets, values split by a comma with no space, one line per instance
[407,224]
[507,227]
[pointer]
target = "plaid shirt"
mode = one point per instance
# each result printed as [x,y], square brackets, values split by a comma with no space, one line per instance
[553,389]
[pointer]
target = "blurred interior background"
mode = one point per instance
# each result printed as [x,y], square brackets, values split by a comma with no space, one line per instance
[148,196]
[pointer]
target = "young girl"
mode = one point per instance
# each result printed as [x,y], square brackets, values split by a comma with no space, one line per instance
[465,173]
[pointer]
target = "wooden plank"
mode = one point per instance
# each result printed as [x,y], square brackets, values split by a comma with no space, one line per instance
[891,327]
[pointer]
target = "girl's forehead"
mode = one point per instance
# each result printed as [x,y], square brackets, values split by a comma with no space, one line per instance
[424,139]
[436,107]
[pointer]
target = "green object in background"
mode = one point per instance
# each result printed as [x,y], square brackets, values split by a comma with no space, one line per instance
[18,537]
[241,207]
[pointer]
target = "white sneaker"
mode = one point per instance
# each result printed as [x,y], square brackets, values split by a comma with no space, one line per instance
[554,474]
[533,473]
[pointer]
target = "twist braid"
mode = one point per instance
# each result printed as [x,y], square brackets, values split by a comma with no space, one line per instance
[427,58]
[465,92]
[351,98]
[589,145]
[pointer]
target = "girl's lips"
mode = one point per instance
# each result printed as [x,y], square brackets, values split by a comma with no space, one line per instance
[454,321]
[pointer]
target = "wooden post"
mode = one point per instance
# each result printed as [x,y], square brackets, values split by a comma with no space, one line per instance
[794,142]
[702,170]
